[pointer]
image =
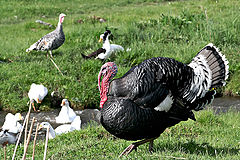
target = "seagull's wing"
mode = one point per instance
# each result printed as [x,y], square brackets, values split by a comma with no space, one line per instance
[94,54]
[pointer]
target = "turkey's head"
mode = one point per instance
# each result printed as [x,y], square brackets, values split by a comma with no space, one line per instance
[107,72]
[61,17]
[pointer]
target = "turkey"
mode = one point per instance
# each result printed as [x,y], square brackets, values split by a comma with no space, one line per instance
[52,40]
[158,93]
[107,49]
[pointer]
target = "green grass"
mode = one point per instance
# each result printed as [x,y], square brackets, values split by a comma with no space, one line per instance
[151,28]
[210,137]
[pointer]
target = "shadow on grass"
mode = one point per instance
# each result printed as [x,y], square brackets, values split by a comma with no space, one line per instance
[5,60]
[195,148]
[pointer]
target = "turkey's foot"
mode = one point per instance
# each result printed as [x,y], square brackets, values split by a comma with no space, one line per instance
[132,146]
[128,149]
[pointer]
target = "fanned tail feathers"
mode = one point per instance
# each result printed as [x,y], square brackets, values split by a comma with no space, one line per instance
[202,102]
[84,56]
[211,70]
[31,48]
[217,63]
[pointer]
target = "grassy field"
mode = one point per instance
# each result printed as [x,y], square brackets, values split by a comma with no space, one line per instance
[176,29]
[210,137]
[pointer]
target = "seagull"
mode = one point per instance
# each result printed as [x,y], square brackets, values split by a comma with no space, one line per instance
[67,114]
[10,130]
[106,50]
[65,128]
[37,93]
[7,137]
[11,123]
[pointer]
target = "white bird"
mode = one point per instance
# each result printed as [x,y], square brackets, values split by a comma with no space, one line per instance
[67,114]
[52,40]
[107,49]
[11,123]
[10,130]
[7,137]
[65,128]
[37,92]
[75,125]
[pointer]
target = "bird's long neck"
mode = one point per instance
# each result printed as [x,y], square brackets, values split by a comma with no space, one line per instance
[59,26]
[52,133]
[106,44]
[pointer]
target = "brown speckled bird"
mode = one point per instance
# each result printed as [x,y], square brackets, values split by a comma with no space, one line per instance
[52,40]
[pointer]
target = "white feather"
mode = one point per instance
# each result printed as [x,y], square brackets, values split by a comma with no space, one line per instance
[65,128]
[37,92]
[67,114]
[110,49]
[166,104]
[11,123]
[202,73]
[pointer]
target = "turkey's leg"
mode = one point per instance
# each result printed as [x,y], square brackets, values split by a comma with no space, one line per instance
[151,146]
[51,54]
[136,144]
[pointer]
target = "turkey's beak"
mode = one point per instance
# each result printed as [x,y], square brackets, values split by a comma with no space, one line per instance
[100,40]
[63,103]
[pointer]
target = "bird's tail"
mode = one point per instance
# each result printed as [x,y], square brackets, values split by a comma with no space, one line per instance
[213,64]
[32,47]
[84,56]
[199,104]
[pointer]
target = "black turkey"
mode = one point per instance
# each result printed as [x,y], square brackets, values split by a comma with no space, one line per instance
[158,93]
[52,40]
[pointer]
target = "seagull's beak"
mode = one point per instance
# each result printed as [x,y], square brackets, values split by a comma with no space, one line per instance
[38,101]
[40,127]
[20,117]
[100,40]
